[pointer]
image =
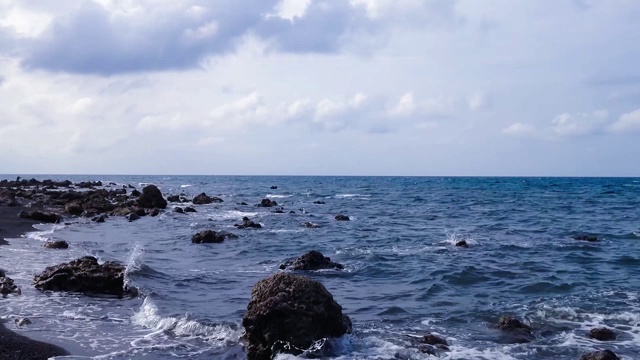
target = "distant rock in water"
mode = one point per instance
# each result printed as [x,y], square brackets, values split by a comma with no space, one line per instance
[84,275]
[56,244]
[22,321]
[589,238]
[462,243]
[288,313]
[151,197]
[602,334]
[247,223]
[341,217]
[312,260]
[268,203]
[45,217]
[274,187]
[310,225]
[600,355]
[189,209]
[204,199]
[318,202]
[210,236]
[517,332]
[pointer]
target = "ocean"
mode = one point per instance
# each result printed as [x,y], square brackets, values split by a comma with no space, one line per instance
[403,275]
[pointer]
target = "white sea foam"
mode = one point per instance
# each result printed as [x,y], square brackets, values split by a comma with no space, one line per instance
[347,196]
[278,196]
[232,214]
[186,185]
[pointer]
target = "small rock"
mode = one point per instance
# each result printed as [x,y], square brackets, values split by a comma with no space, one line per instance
[318,202]
[154,212]
[132,217]
[274,187]
[189,209]
[73,208]
[56,244]
[7,286]
[279,211]
[602,334]
[246,223]
[600,355]
[589,238]
[210,236]
[242,203]
[151,197]
[41,216]
[203,199]
[310,225]
[99,219]
[22,321]
[179,210]
[462,243]
[268,203]
[432,339]
[173,198]
[518,332]
[135,193]
[312,260]
[341,217]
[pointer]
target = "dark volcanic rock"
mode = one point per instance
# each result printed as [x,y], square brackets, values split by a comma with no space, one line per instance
[8,198]
[152,198]
[273,187]
[279,211]
[246,223]
[135,193]
[210,236]
[154,212]
[312,260]
[179,210]
[74,208]
[132,216]
[83,275]
[602,334]
[318,202]
[310,225]
[173,198]
[189,209]
[516,331]
[341,217]
[205,199]
[267,203]
[288,313]
[99,219]
[7,286]
[462,243]
[600,355]
[56,244]
[589,238]
[432,339]
[44,217]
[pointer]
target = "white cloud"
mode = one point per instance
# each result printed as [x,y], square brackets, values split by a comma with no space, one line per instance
[479,100]
[628,123]
[579,124]
[519,129]
[406,106]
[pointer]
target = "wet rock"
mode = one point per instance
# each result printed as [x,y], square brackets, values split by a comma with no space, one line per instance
[242,203]
[310,225]
[268,203]
[151,197]
[600,355]
[514,330]
[84,275]
[602,334]
[173,198]
[88,184]
[56,244]
[99,219]
[45,217]
[462,243]
[135,193]
[21,321]
[312,260]
[432,339]
[247,223]
[341,217]
[7,286]
[210,236]
[203,199]
[318,202]
[8,197]
[132,217]
[189,209]
[279,211]
[589,238]
[273,187]
[292,212]
[288,313]
[74,208]
[179,210]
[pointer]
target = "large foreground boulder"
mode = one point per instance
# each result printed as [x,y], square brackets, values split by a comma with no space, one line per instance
[288,313]
[312,260]
[600,355]
[152,198]
[84,275]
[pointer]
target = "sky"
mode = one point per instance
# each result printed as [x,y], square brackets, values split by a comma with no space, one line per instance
[320,87]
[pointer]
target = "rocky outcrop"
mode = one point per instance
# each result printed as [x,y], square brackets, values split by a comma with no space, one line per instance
[341,217]
[268,203]
[247,223]
[600,355]
[45,217]
[203,199]
[7,286]
[287,313]
[515,331]
[152,198]
[602,334]
[84,275]
[56,244]
[312,260]
[210,236]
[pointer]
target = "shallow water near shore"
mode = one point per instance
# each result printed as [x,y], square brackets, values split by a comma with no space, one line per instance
[403,274]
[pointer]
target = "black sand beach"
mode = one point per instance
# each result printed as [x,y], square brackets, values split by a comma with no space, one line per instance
[14,346]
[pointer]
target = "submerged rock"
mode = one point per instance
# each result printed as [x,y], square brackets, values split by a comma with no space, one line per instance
[203,199]
[84,275]
[56,244]
[462,243]
[310,225]
[246,223]
[274,187]
[602,334]
[318,202]
[312,260]
[210,236]
[288,313]
[600,355]
[589,238]
[45,217]
[516,331]
[432,339]
[341,217]
[151,197]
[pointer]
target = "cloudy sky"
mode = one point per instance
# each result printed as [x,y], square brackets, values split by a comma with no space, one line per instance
[333,87]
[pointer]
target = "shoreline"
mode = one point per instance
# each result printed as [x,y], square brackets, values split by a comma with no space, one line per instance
[14,346]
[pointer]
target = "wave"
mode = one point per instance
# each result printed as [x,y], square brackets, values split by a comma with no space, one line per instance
[231,215]
[347,196]
[185,186]
[277,196]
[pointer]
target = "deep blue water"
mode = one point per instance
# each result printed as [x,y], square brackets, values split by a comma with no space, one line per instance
[403,275]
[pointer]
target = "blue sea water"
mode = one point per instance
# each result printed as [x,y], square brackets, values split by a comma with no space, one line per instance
[403,276]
